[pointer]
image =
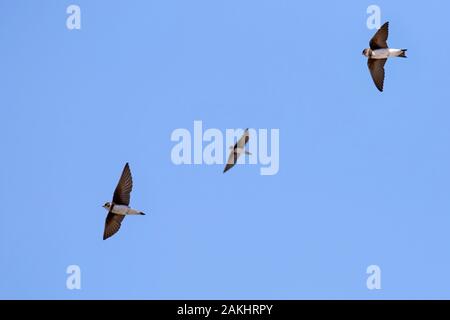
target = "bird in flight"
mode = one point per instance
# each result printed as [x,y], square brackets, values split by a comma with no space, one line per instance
[237,150]
[119,207]
[378,53]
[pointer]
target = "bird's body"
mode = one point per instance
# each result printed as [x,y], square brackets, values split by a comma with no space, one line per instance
[379,53]
[122,210]
[384,53]
[237,150]
[119,207]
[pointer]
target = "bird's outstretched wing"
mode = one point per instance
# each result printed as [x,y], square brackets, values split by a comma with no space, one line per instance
[112,224]
[379,40]
[234,155]
[376,68]
[231,161]
[124,187]
[243,140]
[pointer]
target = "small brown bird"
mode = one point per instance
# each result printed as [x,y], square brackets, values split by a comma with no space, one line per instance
[378,53]
[119,207]
[237,150]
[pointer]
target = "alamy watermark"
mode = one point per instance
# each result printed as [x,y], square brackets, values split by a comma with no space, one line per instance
[73,21]
[374,279]
[73,281]
[374,19]
[209,147]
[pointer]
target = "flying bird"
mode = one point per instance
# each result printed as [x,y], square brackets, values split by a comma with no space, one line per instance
[237,150]
[378,53]
[119,207]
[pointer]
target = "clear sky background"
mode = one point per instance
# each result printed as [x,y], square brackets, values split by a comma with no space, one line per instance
[364,176]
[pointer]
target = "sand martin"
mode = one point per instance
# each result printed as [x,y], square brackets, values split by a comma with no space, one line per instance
[237,150]
[378,53]
[119,207]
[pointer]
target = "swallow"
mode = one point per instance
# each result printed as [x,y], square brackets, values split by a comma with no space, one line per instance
[378,53]
[119,207]
[237,150]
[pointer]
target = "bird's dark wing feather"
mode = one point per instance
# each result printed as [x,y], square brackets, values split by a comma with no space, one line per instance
[379,40]
[123,189]
[112,224]
[231,161]
[234,155]
[376,68]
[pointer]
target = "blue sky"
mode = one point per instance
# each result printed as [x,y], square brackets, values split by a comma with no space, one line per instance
[364,176]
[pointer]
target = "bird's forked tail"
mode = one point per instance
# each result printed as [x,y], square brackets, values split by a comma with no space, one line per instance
[403,53]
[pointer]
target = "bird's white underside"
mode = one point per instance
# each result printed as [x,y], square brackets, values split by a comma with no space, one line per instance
[385,53]
[124,210]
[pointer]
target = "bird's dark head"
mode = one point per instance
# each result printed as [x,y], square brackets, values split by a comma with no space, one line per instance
[365,52]
[107,205]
